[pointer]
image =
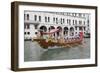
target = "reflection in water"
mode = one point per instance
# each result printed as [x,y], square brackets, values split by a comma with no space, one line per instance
[33,52]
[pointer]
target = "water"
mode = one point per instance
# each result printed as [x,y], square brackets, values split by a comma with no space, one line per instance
[33,52]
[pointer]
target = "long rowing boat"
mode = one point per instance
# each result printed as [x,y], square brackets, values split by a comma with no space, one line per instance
[45,44]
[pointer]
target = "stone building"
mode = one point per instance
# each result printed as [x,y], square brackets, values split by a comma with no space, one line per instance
[70,23]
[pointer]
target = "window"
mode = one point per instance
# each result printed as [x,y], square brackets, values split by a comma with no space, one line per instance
[56,20]
[27,16]
[72,14]
[24,32]
[84,28]
[28,33]
[25,26]
[35,32]
[80,28]
[87,21]
[53,19]
[80,22]
[73,22]
[48,19]
[24,16]
[35,17]
[75,14]
[40,18]
[76,22]
[36,26]
[80,15]
[28,26]
[69,22]
[45,19]
[75,28]
[63,20]
[84,22]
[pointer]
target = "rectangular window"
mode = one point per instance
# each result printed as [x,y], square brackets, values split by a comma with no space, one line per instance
[28,26]
[87,21]
[84,28]
[73,22]
[54,19]
[76,28]
[25,26]
[36,26]
[80,15]
[69,22]
[27,16]
[48,19]
[57,20]
[24,16]
[80,28]
[45,19]
[63,20]
[80,22]
[40,18]
[35,17]
[84,22]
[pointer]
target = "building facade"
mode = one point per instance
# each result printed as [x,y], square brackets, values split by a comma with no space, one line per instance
[69,23]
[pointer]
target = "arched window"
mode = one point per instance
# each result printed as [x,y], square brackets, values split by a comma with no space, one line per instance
[71,31]
[43,28]
[65,30]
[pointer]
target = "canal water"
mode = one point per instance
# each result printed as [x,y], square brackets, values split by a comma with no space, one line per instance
[33,52]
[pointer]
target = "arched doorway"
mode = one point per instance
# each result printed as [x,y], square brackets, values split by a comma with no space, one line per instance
[71,31]
[65,32]
[50,29]
[60,30]
[42,29]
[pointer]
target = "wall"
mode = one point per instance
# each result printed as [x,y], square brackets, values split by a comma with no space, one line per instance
[5,37]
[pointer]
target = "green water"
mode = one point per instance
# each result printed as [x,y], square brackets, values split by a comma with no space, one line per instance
[33,52]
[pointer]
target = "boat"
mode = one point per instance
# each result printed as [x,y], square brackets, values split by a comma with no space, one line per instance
[45,43]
